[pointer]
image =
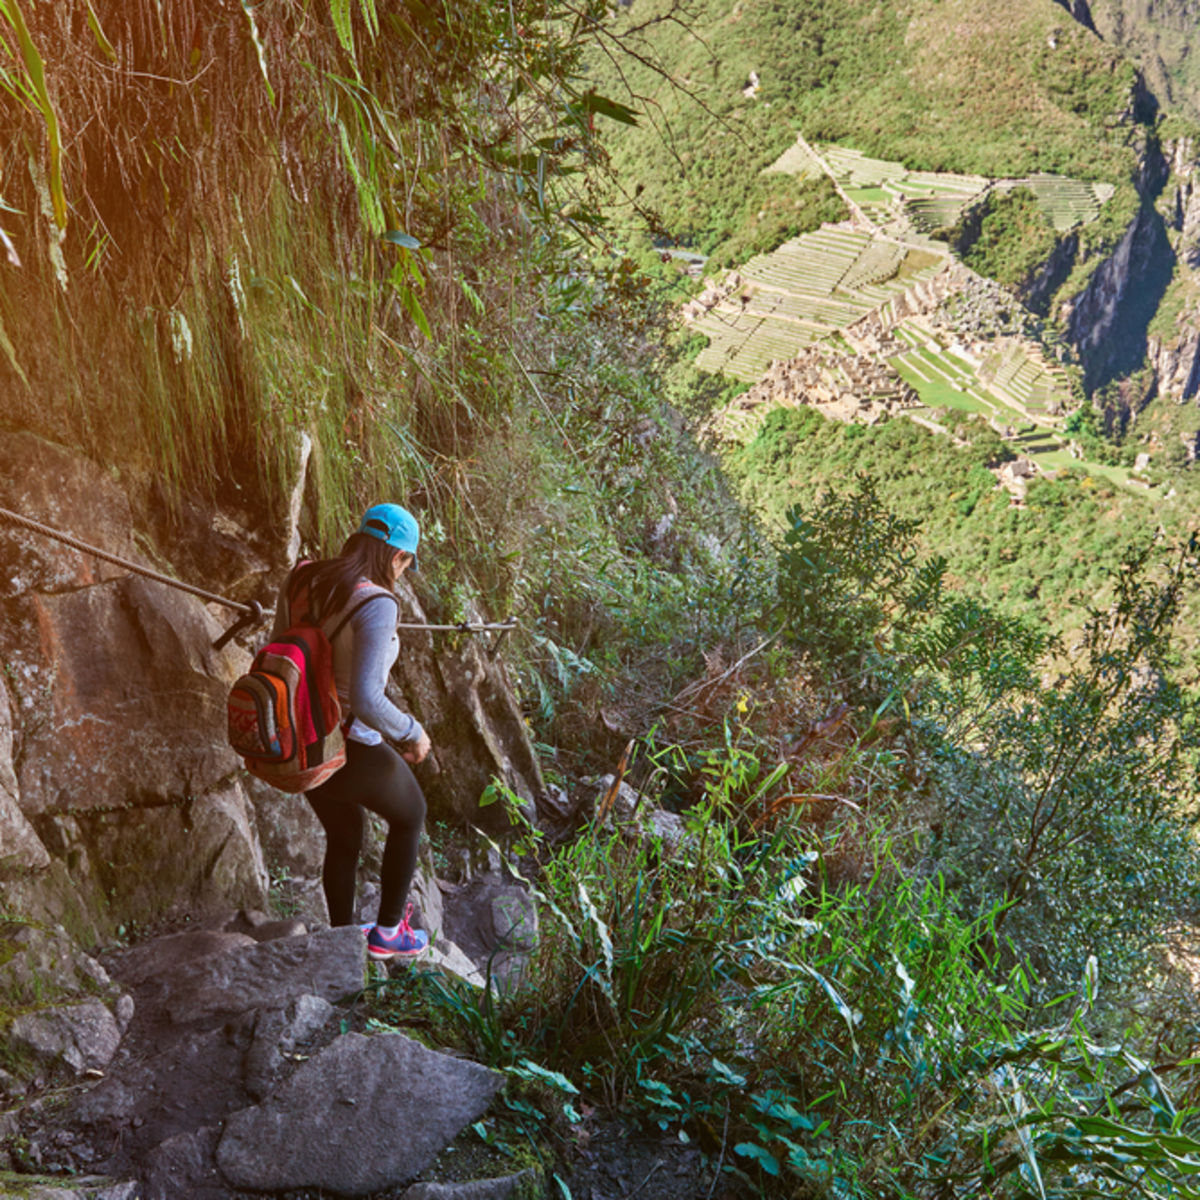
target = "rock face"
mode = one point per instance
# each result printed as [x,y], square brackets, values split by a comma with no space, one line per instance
[1107,321]
[1175,356]
[112,754]
[1176,363]
[1184,202]
[463,698]
[119,799]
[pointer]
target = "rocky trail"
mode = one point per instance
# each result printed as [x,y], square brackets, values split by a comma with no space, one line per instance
[230,1059]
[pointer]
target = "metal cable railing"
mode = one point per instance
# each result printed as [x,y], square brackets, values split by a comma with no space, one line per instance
[252,613]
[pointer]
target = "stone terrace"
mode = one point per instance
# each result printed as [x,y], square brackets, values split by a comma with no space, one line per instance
[812,286]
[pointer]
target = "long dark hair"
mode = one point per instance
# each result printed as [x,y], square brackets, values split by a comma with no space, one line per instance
[330,581]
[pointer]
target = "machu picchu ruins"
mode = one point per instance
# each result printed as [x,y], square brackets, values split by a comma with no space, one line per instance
[871,319]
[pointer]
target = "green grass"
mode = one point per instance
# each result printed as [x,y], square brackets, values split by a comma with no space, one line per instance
[868,195]
[937,392]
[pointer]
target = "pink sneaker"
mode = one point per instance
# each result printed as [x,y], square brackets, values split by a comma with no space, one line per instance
[406,943]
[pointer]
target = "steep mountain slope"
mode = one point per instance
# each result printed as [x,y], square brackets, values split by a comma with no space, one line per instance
[1160,36]
[1032,150]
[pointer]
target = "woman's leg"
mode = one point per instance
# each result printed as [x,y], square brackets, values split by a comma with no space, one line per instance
[394,794]
[378,779]
[343,822]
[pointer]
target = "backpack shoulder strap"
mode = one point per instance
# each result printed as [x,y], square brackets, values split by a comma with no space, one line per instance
[363,595]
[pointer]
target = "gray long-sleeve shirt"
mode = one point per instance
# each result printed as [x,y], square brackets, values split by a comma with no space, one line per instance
[364,651]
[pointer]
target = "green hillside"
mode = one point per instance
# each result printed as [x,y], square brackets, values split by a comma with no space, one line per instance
[1048,559]
[902,905]
[944,85]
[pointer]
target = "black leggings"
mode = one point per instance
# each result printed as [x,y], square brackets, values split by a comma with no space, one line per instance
[375,778]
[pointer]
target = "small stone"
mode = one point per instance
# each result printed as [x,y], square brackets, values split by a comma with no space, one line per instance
[124,1011]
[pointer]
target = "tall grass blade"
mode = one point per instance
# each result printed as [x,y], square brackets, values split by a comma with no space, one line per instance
[11,355]
[106,47]
[339,10]
[259,49]
[605,940]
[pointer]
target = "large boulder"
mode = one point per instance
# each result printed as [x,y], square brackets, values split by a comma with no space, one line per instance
[82,1036]
[120,698]
[329,964]
[60,1012]
[397,1103]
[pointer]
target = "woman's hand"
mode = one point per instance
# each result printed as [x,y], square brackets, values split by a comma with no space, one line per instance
[415,752]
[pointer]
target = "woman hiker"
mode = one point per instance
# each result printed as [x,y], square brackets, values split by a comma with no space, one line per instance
[360,582]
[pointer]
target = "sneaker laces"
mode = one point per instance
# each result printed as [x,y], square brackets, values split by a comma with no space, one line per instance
[405,927]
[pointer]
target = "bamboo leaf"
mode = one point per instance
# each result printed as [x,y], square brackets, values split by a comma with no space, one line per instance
[35,69]
[370,17]
[398,238]
[591,102]
[473,296]
[527,1068]
[339,10]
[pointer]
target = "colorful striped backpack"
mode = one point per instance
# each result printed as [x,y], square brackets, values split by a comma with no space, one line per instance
[285,719]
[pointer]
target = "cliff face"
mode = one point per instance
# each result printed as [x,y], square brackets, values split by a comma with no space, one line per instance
[120,802]
[1108,321]
[1174,353]
[1176,364]
[1183,197]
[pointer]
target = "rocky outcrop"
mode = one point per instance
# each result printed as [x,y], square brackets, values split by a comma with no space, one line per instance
[1107,322]
[60,1011]
[115,780]
[1183,202]
[462,696]
[1038,289]
[1176,363]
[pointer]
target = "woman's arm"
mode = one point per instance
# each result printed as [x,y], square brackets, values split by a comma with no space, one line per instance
[374,626]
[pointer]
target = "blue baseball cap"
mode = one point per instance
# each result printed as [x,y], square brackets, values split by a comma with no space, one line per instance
[392,524]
